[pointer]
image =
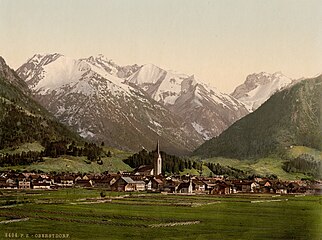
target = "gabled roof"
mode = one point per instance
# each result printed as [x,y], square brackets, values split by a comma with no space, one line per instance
[127,179]
[144,168]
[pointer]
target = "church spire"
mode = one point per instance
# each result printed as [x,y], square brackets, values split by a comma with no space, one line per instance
[157,161]
[158,148]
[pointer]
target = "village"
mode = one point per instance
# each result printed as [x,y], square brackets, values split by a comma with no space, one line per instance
[139,181]
[149,178]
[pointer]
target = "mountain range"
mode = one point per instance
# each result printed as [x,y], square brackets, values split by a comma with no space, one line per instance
[205,108]
[290,117]
[130,107]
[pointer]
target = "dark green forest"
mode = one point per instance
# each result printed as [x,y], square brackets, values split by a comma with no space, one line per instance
[23,120]
[170,164]
[305,163]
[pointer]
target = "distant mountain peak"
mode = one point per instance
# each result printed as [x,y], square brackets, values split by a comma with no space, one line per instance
[290,117]
[205,108]
[258,87]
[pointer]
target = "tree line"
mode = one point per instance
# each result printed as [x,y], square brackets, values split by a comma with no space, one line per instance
[170,163]
[55,149]
[23,158]
[92,151]
[304,163]
[226,171]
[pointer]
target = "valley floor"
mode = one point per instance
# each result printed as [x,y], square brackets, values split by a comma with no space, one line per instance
[83,214]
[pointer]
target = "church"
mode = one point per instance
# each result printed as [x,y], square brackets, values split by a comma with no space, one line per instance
[155,169]
[157,161]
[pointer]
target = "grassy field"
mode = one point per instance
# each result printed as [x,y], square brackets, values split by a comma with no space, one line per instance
[269,165]
[295,151]
[84,215]
[35,146]
[263,167]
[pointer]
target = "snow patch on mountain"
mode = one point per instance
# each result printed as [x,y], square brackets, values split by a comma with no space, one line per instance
[206,134]
[189,98]
[88,95]
[85,133]
[259,87]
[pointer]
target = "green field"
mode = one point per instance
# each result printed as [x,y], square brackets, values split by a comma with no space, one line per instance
[83,214]
[269,165]
[262,167]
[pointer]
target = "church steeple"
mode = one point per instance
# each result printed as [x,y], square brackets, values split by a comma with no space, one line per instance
[158,148]
[157,163]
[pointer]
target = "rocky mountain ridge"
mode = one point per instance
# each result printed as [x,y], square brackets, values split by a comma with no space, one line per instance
[204,107]
[87,95]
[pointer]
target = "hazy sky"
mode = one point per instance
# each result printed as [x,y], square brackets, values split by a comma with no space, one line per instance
[221,42]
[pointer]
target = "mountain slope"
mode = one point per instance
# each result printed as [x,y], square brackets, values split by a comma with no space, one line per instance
[203,107]
[290,117]
[87,95]
[21,118]
[259,87]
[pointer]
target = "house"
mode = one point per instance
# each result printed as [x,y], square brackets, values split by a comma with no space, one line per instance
[293,187]
[171,185]
[104,182]
[186,187]
[66,181]
[280,188]
[242,186]
[8,183]
[144,170]
[139,185]
[266,186]
[11,184]
[200,186]
[85,183]
[44,179]
[156,184]
[221,187]
[63,181]
[41,185]
[24,184]
[127,184]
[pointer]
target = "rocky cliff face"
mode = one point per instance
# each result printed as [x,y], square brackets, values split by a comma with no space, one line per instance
[205,108]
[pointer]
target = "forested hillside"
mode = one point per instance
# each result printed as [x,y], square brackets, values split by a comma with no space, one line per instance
[290,117]
[21,118]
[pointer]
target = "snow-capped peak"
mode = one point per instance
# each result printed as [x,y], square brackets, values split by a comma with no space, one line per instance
[54,72]
[258,87]
[148,74]
[104,63]
[47,58]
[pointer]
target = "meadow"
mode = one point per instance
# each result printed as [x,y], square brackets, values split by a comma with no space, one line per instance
[83,214]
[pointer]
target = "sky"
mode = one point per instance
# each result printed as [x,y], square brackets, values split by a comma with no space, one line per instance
[219,41]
